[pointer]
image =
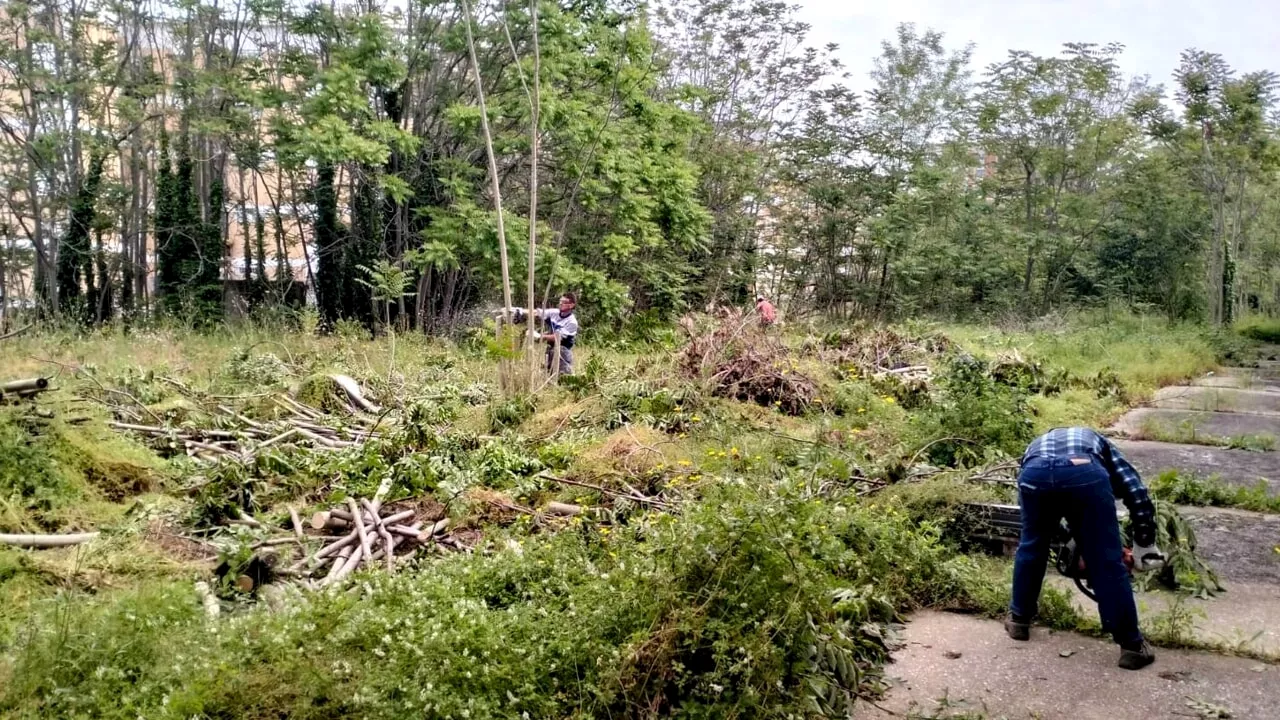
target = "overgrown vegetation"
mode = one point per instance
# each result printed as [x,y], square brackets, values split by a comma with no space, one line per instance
[729,551]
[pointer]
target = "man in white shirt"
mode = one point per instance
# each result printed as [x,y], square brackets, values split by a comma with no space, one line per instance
[562,323]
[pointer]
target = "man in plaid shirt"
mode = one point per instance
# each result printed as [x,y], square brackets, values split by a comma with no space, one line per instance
[1077,474]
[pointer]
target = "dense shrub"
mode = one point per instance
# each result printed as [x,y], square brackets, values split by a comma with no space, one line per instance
[974,418]
[756,601]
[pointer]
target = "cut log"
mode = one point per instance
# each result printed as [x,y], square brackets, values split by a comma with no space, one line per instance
[397,517]
[339,562]
[321,439]
[559,508]
[346,541]
[296,521]
[360,533]
[346,568]
[390,544]
[326,520]
[244,583]
[371,513]
[278,438]
[275,541]
[353,392]
[27,385]
[246,519]
[46,541]
[395,542]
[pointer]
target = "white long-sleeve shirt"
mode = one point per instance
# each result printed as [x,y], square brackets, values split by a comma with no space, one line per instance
[564,326]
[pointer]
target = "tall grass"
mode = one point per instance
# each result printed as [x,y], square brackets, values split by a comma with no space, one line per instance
[1146,352]
[1260,328]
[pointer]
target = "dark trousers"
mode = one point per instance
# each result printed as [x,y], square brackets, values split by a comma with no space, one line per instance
[566,359]
[1050,489]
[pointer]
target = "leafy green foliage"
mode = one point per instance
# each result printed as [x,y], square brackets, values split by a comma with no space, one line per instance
[756,599]
[510,412]
[1260,329]
[975,416]
[670,409]
[1188,571]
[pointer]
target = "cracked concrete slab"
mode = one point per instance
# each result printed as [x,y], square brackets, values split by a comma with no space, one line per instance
[1058,676]
[1209,428]
[1236,467]
[1244,617]
[1241,546]
[1217,399]
[1241,379]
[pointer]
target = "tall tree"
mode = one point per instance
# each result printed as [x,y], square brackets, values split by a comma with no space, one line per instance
[1225,141]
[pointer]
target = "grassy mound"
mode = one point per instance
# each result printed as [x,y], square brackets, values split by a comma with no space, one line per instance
[50,469]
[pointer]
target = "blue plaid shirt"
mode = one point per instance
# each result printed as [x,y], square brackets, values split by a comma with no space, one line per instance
[1125,481]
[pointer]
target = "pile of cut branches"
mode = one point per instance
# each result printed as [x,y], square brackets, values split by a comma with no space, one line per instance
[737,359]
[882,350]
[359,533]
[216,431]
[1034,376]
[231,435]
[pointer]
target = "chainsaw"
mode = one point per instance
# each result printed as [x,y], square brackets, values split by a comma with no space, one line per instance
[992,523]
[1070,562]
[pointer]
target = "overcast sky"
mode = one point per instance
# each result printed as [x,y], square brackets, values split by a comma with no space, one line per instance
[1154,32]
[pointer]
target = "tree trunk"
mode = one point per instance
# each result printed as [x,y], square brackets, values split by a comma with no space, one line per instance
[534,101]
[1031,245]
[493,162]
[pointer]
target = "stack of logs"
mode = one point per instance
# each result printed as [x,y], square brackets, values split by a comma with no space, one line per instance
[372,539]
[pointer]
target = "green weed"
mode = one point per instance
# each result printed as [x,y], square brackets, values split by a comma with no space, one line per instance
[1185,489]
[1145,353]
[1187,433]
[52,472]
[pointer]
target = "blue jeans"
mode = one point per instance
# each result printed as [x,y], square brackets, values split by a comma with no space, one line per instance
[1050,489]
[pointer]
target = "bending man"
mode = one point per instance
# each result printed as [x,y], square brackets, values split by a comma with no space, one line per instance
[1077,474]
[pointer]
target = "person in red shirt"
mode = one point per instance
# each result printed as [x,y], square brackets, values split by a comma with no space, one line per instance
[768,315]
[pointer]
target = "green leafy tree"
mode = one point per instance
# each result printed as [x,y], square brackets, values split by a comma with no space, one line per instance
[1226,144]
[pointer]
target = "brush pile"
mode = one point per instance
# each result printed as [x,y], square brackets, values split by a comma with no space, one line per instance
[236,437]
[881,351]
[219,432]
[1033,376]
[737,359]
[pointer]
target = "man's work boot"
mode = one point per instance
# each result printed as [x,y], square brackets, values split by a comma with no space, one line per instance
[1136,657]
[1017,630]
